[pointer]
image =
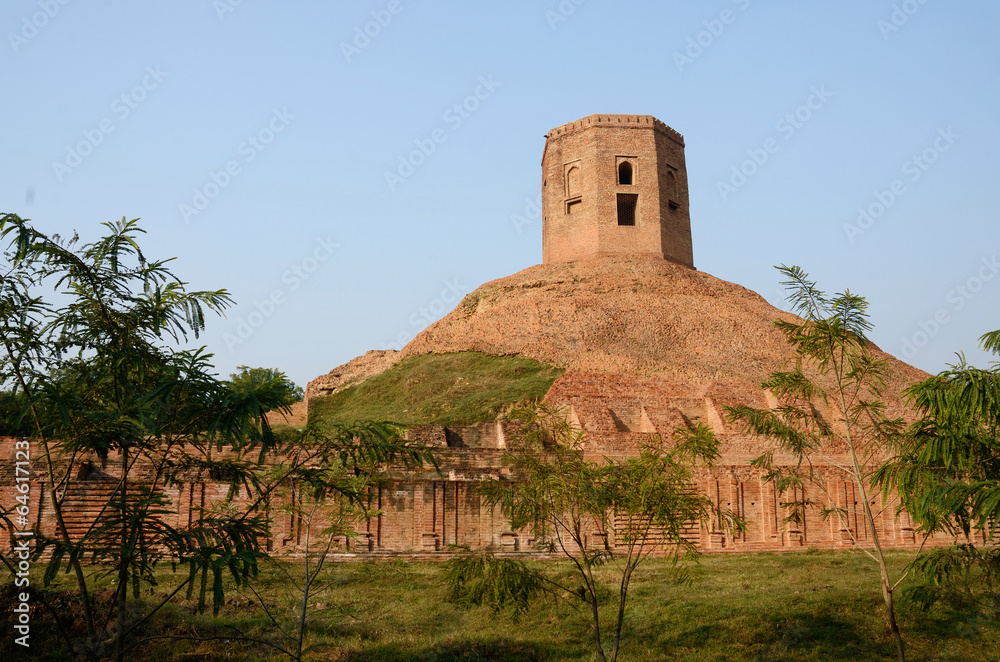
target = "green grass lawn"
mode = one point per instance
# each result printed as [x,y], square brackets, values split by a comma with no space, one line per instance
[793,606]
[444,389]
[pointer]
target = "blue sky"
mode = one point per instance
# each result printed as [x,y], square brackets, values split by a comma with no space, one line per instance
[253,139]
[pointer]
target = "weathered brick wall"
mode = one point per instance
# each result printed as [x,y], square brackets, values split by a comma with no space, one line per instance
[429,511]
[580,188]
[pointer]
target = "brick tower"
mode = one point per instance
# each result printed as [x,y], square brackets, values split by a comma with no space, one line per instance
[615,185]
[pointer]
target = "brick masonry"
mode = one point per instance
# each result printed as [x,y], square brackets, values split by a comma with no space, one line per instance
[581,187]
[649,345]
[427,511]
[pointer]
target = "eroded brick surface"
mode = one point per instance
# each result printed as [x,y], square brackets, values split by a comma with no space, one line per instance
[583,184]
[649,344]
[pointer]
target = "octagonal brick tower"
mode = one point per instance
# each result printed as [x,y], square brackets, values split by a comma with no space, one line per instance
[615,185]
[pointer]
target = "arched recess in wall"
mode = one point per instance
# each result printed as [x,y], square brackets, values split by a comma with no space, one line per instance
[573,184]
[625,174]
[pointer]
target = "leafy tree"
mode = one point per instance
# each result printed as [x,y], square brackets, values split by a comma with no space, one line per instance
[279,388]
[835,368]
[612,513]
[947,473]
[338,471]
[12,424]
[326,478]
[102,384]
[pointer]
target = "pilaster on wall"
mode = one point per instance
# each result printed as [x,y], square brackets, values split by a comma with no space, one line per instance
[430,512]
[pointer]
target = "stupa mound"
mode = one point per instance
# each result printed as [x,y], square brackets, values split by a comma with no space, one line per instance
[634,340]
[635,315]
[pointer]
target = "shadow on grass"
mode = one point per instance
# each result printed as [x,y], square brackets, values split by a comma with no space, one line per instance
[498,650]
[772,639]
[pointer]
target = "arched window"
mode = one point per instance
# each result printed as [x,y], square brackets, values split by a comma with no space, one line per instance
[625,174]
[573,182]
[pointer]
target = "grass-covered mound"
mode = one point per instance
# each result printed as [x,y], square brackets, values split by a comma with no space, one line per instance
[443,389]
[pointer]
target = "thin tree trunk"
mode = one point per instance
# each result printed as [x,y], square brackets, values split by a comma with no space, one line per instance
[882,567]
[305,599]
[890,609]
[597,630]
[124,561]
[592,589]
[623,594]
[859,478]
[81,578]
[74,561]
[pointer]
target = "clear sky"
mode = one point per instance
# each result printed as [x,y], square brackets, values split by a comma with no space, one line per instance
[254,139]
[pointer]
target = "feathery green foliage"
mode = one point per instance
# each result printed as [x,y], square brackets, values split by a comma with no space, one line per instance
[836,371]
[99,379]
[482,578]
[947,472]
[611,513]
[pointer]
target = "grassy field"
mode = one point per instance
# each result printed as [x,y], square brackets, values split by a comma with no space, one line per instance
[795,606]
[444,389]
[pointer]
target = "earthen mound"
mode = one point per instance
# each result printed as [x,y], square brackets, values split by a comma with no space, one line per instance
[633,315]
[355,371]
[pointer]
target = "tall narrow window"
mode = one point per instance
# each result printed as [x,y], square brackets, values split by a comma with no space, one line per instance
[573,185]
[627,202]
[625,174]
[574,188]
[673,196]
